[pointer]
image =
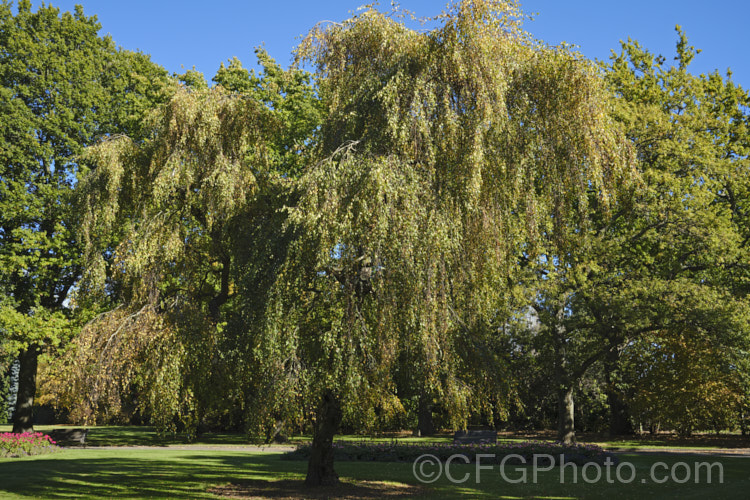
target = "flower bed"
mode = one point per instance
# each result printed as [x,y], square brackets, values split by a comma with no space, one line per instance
[28,443]
[520,453]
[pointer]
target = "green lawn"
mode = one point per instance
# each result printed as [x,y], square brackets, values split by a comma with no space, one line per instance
[140,436]
[164,472]
[147,436]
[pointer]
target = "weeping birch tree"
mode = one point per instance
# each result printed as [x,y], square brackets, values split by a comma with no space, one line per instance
[164,222]
[440,157]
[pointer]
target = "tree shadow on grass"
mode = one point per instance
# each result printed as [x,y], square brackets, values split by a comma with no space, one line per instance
[295,488]
[148,436]
[175,476]
[160,473]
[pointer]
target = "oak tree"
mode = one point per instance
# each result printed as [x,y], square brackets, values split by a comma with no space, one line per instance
[62,86]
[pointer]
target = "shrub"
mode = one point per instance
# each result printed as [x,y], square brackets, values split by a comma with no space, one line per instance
[28,443]
[408,452]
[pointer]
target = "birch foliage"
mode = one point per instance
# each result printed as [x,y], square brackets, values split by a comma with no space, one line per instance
[442,155]
[162,217]
[387,242]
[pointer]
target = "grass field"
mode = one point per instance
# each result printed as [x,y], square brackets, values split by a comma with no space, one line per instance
[184,473]
[218,464]
[147,436]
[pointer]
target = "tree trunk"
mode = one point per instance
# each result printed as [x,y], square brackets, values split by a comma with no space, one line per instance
[275,435]
[619,414]
[565,408]
[653,428]
[425,424]
[565,415]
[214,306]
[22,415]
[320,467]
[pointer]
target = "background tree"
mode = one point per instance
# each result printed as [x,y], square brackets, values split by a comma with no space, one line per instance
[169,227]
[62,86]
[645,273]
[685,244]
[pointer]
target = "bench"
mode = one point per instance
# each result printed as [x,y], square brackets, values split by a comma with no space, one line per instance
[475,436]
[69,436]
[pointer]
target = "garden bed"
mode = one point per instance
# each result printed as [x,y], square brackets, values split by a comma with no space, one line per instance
[25,444]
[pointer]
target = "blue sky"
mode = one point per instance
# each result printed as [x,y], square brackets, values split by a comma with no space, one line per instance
[204,33]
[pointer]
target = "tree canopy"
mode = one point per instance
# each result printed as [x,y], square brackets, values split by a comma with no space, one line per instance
[439,156]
